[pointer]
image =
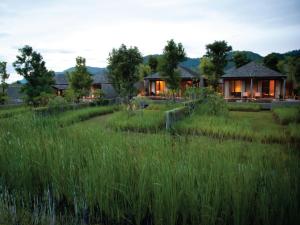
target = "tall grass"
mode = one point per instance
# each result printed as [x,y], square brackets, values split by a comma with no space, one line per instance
[286,115]
[140,121]
[9,112]
[106,177]
[242,106]
[248,126]
[73,116]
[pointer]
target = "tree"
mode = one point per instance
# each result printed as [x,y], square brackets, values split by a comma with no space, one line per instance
[217,52]
[80,79]
[4,76]
[143,71]
[153,63]
[32,67]
[173,54]
[123,64]
[206,68]
[240,59]
[271,61]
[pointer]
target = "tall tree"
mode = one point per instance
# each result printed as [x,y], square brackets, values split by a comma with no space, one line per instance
[32,67]
[80,79]
[206,68]
[173,54]
[153,63]
[123,64]
[217,52]
[3,76]
[272,61]
[143,71]
[240,59]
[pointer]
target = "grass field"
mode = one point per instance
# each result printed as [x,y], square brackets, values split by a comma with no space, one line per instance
[90,172]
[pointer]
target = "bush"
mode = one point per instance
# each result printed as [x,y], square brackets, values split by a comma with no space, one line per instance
[57,104]
[212,103]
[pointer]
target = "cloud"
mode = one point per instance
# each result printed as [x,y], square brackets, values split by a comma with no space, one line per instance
[4,35]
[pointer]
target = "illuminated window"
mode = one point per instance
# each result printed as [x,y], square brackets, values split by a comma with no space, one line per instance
[160,86]
[236,86]
[272,88]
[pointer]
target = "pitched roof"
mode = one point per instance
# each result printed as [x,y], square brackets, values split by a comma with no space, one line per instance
[252,69]
[61,79]
[185,73]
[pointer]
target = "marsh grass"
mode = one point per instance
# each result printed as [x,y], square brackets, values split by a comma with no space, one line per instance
[242,106]
[6,113]
[247,126]
[139,120]
[286,115]
[107,177]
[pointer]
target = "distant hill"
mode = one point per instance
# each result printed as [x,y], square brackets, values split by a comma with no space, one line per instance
[91,70]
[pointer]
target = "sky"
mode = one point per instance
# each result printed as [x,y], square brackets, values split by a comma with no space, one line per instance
[61,30]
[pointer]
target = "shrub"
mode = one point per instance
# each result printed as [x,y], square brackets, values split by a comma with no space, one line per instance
[212,104]
[57,104]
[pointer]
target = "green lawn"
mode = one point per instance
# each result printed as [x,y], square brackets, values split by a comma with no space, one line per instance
[118,177]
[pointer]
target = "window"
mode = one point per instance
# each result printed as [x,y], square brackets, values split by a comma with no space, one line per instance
[236,86]
[160,86]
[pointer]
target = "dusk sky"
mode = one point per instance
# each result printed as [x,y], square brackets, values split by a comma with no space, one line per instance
[63,29]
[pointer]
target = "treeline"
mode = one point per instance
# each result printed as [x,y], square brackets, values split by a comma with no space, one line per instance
[126,67]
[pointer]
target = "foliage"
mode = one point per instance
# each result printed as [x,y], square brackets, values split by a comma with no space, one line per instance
[143,71]
[3,76]
[271,60]
[123,69]
[217,52]
[240,59]
[206,68]
[153,63]
[173,54]
[57,103]
[31,66]
[286,115]
[80,79]
[243,106]
[70,95]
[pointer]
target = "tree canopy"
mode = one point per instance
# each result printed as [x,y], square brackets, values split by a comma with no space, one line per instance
[217,52]
[80,79]
[271,60]
[173,54]
[153,63]
[32,67]
[123,64]
[3,76]
[240,59]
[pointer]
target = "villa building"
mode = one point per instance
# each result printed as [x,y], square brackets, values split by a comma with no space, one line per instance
[155,85]
[254,80]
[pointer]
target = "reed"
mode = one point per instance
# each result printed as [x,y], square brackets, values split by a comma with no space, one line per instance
[87,173]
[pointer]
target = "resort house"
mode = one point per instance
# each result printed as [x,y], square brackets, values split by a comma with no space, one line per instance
[254,80]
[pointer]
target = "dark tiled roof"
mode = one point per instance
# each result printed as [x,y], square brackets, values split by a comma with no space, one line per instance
[185,73]
[60,78]
[252,69]
[61,86]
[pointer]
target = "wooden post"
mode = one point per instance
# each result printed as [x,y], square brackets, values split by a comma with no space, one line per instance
[284,84]
[251,88]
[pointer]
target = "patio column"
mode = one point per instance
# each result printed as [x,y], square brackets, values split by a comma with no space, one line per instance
[284,84]
[251,88]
